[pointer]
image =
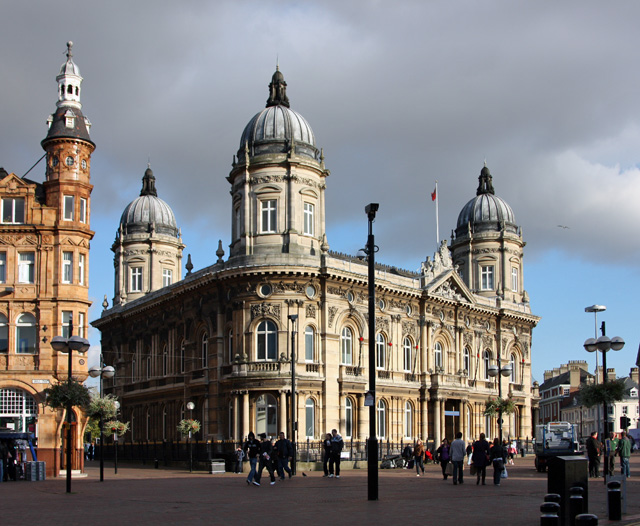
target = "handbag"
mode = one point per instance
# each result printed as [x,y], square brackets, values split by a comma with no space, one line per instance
[504,474]
[473,469]
[449,469]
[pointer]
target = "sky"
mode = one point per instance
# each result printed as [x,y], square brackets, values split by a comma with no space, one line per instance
[399,95]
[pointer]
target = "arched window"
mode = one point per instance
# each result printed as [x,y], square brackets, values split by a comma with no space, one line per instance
[18,410]
[204,350]
[4,334]
[486,362]
[346,346]
[408,420]
[513,363]
[266,341]
[310,418]
[309,337]
[348,418]
[406,348]
[381,343]
[381,411]
[437,349]
[466,360]
[26,334]
[266,415]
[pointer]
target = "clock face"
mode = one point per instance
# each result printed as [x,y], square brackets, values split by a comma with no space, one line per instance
[69,161]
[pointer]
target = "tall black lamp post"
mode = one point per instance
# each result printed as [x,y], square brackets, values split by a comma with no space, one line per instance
[497,371]
[604,344]
[115,444]
[294,413]
[68,345]
[372,453]
[190,406]
[102,372]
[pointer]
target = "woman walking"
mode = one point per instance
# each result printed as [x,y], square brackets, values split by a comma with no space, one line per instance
[480,458]
[497,455]
[442,455]
[418,457]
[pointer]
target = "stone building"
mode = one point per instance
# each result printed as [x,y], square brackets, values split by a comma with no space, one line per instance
[222,336]
[44,264]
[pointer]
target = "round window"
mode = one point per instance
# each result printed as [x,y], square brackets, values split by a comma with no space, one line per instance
[54,161]
[408,310]
[69,161]
[265,289]
[84,164]
[381,304]
[311,291]
[350,297]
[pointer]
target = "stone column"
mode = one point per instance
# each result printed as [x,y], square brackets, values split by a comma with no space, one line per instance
[282,413]
[245,414]
[235,427]
[463,419]
[362,418]
[437,422]
[424,418]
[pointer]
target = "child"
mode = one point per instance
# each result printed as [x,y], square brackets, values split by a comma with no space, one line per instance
[239,458]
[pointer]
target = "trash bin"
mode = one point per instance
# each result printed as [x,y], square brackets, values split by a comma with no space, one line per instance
[565,473]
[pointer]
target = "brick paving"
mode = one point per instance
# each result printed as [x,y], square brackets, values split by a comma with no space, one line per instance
[144,495]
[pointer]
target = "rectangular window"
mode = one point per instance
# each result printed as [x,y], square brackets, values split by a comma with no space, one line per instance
[26,265]
[67,267]
[167,277]
[514,279]
[68,208]
[136,280]
[487,277]
[81,264]
[268,215]
[81,325]
[67,318]
[13,210]
[83,210]
[308,219]
[3,267]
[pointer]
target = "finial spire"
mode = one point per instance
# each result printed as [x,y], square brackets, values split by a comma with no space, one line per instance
[149,183]
[485,179]
[278,90]
[69,53]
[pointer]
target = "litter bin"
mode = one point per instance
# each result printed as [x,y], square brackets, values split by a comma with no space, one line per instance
[565,473]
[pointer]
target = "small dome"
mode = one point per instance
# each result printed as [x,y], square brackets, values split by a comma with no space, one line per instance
[277,127]
[486,211]
[148,210]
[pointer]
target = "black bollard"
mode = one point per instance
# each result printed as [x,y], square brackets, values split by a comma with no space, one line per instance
[576,503]
[553,497]
[586,519]
[549,514]
[614,498]
[155,463]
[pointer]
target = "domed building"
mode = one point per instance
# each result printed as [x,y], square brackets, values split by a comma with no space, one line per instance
[282,315]
[148,245]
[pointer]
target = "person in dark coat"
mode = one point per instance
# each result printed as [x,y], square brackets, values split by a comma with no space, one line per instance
[593,453]
[336,450]
[266,452]
[498,456]
[326,446]
[285,454]
[480,458]
[442,456]
[252,450]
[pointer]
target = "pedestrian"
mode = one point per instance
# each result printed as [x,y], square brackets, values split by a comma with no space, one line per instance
[594,449]
[418,457]
[624,450]
[442,456]
[611,449]
[407,456]
[480,458]
[457,451]
[4,455]
[91,451]
[498,456]
[285,454]
[265,460]
[239,458]
[336,450]
[252,449]
[326,446]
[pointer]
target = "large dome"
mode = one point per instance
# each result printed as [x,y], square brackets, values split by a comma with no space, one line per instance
[147,210]
[486,211]
[278,128]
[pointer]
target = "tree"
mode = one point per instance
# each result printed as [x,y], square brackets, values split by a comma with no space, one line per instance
[591,395]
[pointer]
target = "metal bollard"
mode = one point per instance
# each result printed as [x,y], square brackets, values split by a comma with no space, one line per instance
[550,511]
[553,497]
[614,498]
[586,519]
[155,463]
[576,503]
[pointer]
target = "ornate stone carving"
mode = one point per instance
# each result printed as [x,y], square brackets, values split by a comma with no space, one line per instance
[311,311]
[265,309]
[332,314]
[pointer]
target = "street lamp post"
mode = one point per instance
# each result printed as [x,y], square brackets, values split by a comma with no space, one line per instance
[190,406]
[68,345]
[596,309]
[497,371]
[372,453]
[294,413]
[115,444]
[604,344]
[102,372]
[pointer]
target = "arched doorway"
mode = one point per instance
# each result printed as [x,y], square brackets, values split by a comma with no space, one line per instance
[267,415]
[18,410]
[75,459]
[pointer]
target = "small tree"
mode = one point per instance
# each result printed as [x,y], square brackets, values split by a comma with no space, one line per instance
[188,425]
[71,392]
[591,395]
[103,407]
[115,427]
[495,406]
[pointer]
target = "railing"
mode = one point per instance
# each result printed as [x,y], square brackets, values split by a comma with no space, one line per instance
[384,375]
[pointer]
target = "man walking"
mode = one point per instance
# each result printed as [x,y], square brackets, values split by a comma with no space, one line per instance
[285,454]
[458,450]
[611,447]
[252,449]
[593,454]
[266,451]
[336,450]
[624,450]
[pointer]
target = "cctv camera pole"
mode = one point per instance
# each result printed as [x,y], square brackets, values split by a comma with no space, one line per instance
[372,454]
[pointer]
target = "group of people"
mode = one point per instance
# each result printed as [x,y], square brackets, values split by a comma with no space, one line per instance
[613,447]
[275,457]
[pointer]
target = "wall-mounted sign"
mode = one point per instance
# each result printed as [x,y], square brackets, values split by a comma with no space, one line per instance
[40,381]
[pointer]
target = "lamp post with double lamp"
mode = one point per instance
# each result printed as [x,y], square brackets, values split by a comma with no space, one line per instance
[372,452]
[604,344]
[68,345]
[498,371]
[190,406]
[115,442]
[294,413]
[103,372]
[596,309]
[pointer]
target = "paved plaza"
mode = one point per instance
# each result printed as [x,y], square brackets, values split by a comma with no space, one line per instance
[144,495]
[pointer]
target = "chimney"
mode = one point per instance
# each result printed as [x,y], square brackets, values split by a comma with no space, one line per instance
[634,374]
[611,374]
[548,375]
[574,376]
